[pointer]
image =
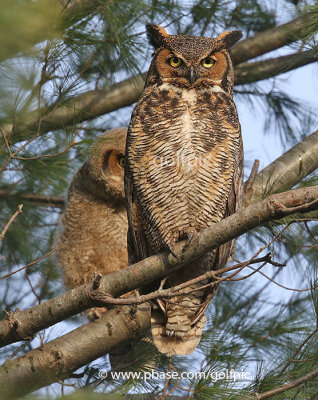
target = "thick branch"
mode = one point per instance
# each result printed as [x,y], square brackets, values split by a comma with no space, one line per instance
[24,324]
[286,171]
[274,38]
[95,103]
[60,357]
[84,107]
[256,71]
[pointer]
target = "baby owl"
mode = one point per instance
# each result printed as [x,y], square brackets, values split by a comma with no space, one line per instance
[94,236]
[183,170]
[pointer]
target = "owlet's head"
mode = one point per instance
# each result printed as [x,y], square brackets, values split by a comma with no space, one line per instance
[102,174]
[191,61]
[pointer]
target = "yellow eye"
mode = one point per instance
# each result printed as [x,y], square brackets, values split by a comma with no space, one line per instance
[175,62]
[121,160]
[208,62]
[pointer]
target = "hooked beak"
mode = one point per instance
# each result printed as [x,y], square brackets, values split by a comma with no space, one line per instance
[192,77]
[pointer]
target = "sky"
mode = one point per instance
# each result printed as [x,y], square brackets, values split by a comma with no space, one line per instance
[301,84]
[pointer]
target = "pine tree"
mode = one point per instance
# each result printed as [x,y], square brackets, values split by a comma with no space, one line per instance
[69,70]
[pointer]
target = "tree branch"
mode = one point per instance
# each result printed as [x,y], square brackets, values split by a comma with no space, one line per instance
[22,325]
[274,38]
[59,358]
[288,386]
[286,171]
[19,211]
[256,71]
[84,107]
[94,103]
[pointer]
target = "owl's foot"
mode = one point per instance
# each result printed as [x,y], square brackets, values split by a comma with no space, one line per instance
[171,249]
[189,240]
[187,234]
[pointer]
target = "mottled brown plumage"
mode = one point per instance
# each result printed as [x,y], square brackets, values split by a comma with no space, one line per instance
[94,234]
[184,167]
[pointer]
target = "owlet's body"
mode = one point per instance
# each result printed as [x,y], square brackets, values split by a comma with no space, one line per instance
[183,170]
[95,226]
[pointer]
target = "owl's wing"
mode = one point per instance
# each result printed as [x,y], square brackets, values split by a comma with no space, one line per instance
[136,239]
[226,251]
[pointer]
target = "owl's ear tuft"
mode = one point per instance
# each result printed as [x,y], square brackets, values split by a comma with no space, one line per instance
[156,35]
[229,38]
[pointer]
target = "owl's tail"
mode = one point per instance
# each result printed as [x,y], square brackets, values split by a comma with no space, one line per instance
[175,345]
[178,321]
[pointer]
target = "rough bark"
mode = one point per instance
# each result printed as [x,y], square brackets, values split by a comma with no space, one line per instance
[22,325]
[60,357]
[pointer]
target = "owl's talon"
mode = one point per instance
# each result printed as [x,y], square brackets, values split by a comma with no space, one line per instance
[162,306]
[163,281]
[189,240]
[173,253]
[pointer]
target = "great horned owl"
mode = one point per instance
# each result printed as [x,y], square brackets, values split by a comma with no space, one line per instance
[183,170]
[94,235]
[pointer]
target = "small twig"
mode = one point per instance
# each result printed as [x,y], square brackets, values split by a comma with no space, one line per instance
[175,290]
[31,263]
[247,276]
[296,394]
[249,183]
[288,386]
[297,351]
[309,231]
[18,349]
[46,155]
[32,288]
[299,208]
[165,394]
[285,287]
[19,211]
